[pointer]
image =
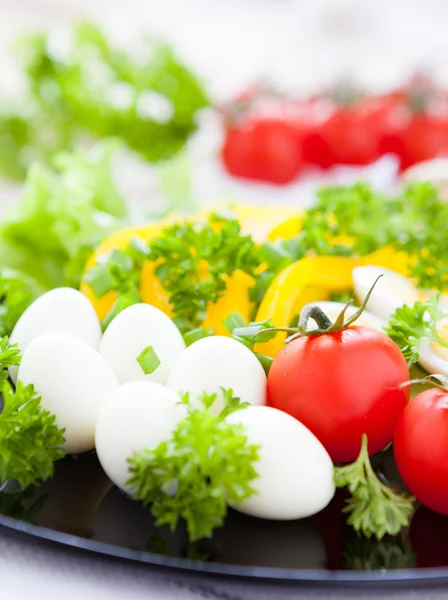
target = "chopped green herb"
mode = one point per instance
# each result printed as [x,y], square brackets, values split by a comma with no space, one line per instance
[207,464]
[197,334]
[148,360]
[30,441]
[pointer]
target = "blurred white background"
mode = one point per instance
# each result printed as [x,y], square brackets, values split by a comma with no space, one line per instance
[298,44]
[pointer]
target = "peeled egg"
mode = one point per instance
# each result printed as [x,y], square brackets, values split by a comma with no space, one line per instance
[73,380]
[62,310]
[295,471]
[140,415]
[133,330]
[217,362]
[392,291]
[334,309]
[434,356]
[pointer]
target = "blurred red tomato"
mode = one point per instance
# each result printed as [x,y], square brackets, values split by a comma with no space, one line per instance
[265,149]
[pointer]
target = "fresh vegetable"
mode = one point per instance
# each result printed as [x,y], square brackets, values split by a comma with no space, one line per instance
[207,463]
[94,90]
[17,292]
[264,149]
[30,440]
[341,382]
[374,508]
[73,381]
[343,125]
[139,415]
[62,215]
[415,328]
[136,328]
[420,446]
[295,473]
[62,310]
[184,270]
[214,363]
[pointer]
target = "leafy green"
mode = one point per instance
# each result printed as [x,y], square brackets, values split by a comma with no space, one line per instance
[207,463]
[410,325]
[17,292]
[355,220]
[362,219]
[9,357]
[62,215]
[422,234]
[374,509]
[93,90]
[30,440]
[193,262]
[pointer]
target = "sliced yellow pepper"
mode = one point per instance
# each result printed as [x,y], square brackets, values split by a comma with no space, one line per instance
[307,280]
[316,278]
[235,298]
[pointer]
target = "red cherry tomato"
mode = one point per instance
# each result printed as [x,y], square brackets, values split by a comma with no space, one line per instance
[341,385]
[265,149]
[424,137]
[354,131]
[421,448]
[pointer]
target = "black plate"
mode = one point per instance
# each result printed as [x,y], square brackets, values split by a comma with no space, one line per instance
[80,507]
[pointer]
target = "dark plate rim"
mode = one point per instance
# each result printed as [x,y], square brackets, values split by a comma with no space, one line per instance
[393,576]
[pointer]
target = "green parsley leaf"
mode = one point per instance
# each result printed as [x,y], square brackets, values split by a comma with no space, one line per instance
[194,261]
[148,360]
[9,356]
[374,509]
[206,464]
[30,440]
[410,325]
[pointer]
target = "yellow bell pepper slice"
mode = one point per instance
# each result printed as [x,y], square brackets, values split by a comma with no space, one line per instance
[235,298]
[389,258]
[307,280]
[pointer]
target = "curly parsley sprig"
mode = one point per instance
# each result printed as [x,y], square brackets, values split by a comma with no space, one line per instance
[30,440]
[207,464]
[193,262]
[374,509]
[409,326]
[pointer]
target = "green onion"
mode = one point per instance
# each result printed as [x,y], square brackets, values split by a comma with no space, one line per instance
[197,334]
[148,360]
[100,280]
[233,321]
[265,361]
[123,301]
[248,343]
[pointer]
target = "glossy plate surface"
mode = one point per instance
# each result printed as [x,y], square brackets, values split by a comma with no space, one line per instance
[80,507]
